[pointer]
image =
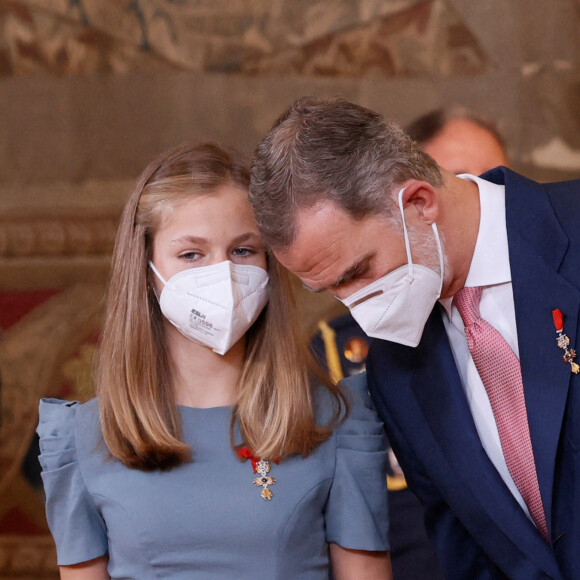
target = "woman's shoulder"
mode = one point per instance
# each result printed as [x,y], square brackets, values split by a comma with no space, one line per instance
[67,412]
[66,428]
[59,422]
[357,514]
[356,391]
[355,387]
[361,409]
[362,417]
[61,407]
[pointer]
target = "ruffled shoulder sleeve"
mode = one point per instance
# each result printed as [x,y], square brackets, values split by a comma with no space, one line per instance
[357,513]
[77,527]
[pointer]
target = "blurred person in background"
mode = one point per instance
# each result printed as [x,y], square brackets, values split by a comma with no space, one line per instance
[459,140]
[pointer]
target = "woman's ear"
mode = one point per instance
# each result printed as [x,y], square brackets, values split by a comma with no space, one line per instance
[422,196]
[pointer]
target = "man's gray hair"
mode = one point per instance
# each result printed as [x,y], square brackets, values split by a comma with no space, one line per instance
[331,150]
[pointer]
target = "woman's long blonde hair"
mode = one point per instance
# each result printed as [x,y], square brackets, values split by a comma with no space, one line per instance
[139,415]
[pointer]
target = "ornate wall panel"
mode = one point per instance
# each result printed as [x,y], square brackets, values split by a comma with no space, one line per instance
[56,236]
[48,337]
[320,38]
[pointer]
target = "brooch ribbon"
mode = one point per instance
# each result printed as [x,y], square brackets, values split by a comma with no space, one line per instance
[262,468]
[564,342]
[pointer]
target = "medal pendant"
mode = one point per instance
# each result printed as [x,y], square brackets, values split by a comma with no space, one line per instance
[563,341]
[264,480]
[262,468]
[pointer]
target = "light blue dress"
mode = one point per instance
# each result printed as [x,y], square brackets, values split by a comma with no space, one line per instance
[205,519]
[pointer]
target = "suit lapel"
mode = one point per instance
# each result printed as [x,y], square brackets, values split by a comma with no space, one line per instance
[537,246]
[478,493]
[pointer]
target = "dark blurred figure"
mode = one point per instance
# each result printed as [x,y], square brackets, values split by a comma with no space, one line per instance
[460,142]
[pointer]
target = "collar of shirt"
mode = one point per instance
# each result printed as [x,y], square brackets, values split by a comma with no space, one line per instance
[490,263]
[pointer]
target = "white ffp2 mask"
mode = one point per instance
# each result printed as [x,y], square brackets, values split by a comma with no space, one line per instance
[396,307]
[214,305]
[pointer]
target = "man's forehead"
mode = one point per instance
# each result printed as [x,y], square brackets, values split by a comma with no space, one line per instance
[320,223]
[317,229]
[322,209]
[329,243]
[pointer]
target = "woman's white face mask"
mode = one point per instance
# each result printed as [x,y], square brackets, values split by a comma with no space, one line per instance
[214,305]
[396,307]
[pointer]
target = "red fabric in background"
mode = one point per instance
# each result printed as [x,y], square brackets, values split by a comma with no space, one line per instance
[15,305]
[16,522]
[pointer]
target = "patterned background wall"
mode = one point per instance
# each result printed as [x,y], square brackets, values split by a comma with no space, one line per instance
[90,90]
[332,38]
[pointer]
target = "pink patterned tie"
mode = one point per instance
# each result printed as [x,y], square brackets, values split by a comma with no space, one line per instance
[500,372]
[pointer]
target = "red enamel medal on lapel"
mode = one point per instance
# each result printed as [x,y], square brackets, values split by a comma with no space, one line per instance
[564,342]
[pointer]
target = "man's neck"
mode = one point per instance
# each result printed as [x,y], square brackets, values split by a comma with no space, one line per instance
[459,222]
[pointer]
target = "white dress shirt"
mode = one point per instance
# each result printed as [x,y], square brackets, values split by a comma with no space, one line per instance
[490,268]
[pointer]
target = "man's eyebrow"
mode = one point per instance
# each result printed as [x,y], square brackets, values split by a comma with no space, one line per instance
[350,273]
[346,276]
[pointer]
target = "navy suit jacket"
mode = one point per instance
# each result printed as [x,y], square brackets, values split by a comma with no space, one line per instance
[479,530]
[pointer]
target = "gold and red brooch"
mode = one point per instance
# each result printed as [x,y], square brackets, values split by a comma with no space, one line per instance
[262,468]
[564,341]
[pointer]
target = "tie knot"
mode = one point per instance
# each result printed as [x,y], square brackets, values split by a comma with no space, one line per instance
[467,303]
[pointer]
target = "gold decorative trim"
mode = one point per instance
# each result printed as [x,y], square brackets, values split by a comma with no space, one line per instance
[57,236]
[332,356]
[396,482]
[31,358]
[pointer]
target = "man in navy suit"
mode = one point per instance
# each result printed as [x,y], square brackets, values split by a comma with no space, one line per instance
[350,204]
[461,142]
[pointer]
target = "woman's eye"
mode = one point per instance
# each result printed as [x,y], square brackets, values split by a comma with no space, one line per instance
[242,252]
[189,256]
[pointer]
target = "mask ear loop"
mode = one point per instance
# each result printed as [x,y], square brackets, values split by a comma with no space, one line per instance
[407,243]
[440,251]
[157,273]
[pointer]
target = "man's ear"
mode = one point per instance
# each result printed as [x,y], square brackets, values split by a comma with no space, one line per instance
[422,196]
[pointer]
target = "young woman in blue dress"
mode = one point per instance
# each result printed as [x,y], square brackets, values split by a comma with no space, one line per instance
[208,453]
